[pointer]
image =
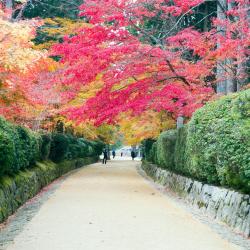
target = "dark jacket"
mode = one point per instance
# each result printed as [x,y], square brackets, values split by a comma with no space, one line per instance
[133,154]
[105,154]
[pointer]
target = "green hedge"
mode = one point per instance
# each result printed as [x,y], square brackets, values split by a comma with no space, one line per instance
[7,147]
[66,147]
[218,141]
[59,147]
[45,146]
[180,156]
[165,146]
[214,147]
[146,146]
[20,148]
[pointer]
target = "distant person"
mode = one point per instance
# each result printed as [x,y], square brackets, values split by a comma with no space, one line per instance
[121,154]
[105,157]
[133,155]
[113,153]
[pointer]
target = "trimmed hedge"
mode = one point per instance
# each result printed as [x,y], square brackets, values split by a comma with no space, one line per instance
[180,156]
[59,147]
[45,146]
[67,147]
[218,142]
[214,147]
[165,146]
[147,145]
[20,148]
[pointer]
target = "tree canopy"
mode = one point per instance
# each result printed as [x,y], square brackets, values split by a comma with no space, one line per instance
[116,62]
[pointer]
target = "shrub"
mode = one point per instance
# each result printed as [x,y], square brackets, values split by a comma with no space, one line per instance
[7,152]
[27,147]
[153,153]
[98,147]
[45,146]
[218,141]
[83,147]
[180,157]
[20,148]
[214,147]
[24,146]
[73,147]
[8,157]
[59,147]
[147,145]
[64,146]
[165,146]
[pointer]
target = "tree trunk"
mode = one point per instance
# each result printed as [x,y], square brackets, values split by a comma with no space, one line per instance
[9,4]
[242,72]
[205,27]
[180,122]
[222,82]
[226,72]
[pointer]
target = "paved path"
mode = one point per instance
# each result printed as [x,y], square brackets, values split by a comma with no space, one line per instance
[113,208]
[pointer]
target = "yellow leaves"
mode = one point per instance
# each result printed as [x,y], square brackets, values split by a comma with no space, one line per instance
[44,46]
[62,26]
[148,125]
[106,133]
[16,52]
[56,28]
[125,83]
[88,91]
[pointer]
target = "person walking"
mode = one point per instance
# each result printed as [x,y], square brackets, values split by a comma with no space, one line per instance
[113,153]
[105,157]
[133,155]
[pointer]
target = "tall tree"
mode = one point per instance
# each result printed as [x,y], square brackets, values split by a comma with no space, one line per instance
[147,68]
[52,8]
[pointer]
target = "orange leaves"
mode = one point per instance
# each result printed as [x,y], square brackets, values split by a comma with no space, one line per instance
[58,28]
[149,124]
[16,51]
[26,74]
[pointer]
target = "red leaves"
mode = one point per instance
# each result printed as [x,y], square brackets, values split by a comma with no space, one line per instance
[171,76]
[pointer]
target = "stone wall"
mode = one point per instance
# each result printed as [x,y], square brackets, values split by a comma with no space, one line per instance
[16,190]
[228,206]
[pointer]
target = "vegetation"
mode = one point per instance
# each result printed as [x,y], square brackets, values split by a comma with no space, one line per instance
[165,149]
[218,141]
[99,68]
[20,148]
[213,147]
[25,184]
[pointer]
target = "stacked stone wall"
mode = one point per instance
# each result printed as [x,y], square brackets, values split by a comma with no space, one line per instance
[17,189]
[228,206]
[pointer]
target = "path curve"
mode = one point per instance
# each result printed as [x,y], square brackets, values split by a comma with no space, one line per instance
[114,208]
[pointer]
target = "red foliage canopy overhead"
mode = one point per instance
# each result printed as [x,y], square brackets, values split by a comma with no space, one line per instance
[174,74]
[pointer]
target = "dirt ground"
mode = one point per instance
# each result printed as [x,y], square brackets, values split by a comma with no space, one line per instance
[113,208]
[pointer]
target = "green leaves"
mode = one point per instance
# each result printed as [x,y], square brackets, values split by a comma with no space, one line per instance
[218,138]
[214,147]
[20,148]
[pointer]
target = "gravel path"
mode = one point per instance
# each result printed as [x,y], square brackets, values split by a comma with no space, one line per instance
[107,208]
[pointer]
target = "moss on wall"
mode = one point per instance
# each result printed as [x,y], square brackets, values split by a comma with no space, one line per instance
[17,189]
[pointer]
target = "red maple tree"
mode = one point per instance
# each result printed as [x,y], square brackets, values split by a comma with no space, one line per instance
[140,71]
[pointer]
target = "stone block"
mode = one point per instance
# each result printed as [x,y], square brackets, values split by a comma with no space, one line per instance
[223,204]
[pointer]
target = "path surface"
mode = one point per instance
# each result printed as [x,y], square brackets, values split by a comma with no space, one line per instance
[113,208]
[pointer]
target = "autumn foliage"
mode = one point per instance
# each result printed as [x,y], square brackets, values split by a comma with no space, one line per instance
[120,61]
[175,72]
